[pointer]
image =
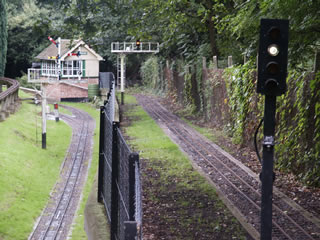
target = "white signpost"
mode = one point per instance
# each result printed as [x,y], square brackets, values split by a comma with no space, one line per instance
[44,94]
[123,48]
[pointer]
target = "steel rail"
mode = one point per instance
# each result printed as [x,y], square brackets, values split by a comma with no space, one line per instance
[83,134]
[69,195]
[216,169]
[246,183]
[191,144]
[74,185]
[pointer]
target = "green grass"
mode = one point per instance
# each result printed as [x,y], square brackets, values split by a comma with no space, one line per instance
[173,179]
[78,232]
[27,172]
[212,134]
[61,109]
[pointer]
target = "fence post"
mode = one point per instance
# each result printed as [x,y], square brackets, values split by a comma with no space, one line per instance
[130,230]
[229,61]
[316,67]
[132,184]
[114,180]
[101,153]
[204,86]
[204,63]
[215,62]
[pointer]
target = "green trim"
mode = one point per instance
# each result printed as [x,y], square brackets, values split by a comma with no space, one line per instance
[83,68]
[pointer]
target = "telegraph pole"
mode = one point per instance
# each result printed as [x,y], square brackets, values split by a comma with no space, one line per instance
[272,73]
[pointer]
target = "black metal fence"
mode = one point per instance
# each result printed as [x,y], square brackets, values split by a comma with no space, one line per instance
[119,185]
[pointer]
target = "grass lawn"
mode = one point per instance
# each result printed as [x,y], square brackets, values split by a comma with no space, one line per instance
[27,172]
[189,205]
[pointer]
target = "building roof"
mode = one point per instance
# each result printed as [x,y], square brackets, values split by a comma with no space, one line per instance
[67,46]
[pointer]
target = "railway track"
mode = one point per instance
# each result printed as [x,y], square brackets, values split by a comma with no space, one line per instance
[238,186]
[56,219]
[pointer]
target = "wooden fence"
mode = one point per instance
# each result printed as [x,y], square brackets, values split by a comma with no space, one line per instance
[9,99]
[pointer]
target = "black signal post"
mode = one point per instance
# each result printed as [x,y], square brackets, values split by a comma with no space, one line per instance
[272,73]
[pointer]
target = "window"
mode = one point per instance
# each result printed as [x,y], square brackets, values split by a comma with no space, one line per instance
[49,68]
[72,68]
[69,68]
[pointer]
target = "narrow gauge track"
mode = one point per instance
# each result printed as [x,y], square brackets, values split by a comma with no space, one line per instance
[55,220]
[241,190]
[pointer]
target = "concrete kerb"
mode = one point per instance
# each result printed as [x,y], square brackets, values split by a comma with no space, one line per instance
[95,219]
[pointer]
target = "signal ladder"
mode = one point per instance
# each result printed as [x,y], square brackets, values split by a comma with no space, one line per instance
[119,70]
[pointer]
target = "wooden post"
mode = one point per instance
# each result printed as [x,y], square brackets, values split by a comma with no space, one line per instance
[229,61]
[204,86]
[316,66]
[215,62]
[2,114]
[204,63]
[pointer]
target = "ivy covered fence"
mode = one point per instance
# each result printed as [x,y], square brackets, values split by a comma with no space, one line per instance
[228,99]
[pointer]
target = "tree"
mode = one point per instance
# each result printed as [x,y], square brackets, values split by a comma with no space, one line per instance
[241,26]
[183,27]
[28,29]
[3,36]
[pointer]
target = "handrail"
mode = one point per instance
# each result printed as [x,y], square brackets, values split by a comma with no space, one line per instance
[9,99]
[12,89]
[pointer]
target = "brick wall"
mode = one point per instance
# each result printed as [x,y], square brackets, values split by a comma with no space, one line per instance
[57,91]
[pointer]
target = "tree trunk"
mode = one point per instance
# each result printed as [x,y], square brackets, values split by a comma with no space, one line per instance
[212,30]
[3,36]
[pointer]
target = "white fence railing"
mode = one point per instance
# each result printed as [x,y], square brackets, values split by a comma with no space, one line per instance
[35,75]
[131,47]
[9,99]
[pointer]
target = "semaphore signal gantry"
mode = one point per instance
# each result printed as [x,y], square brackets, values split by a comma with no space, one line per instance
[123,48]
[134,47]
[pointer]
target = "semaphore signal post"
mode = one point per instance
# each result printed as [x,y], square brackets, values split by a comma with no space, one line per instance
[123,48]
